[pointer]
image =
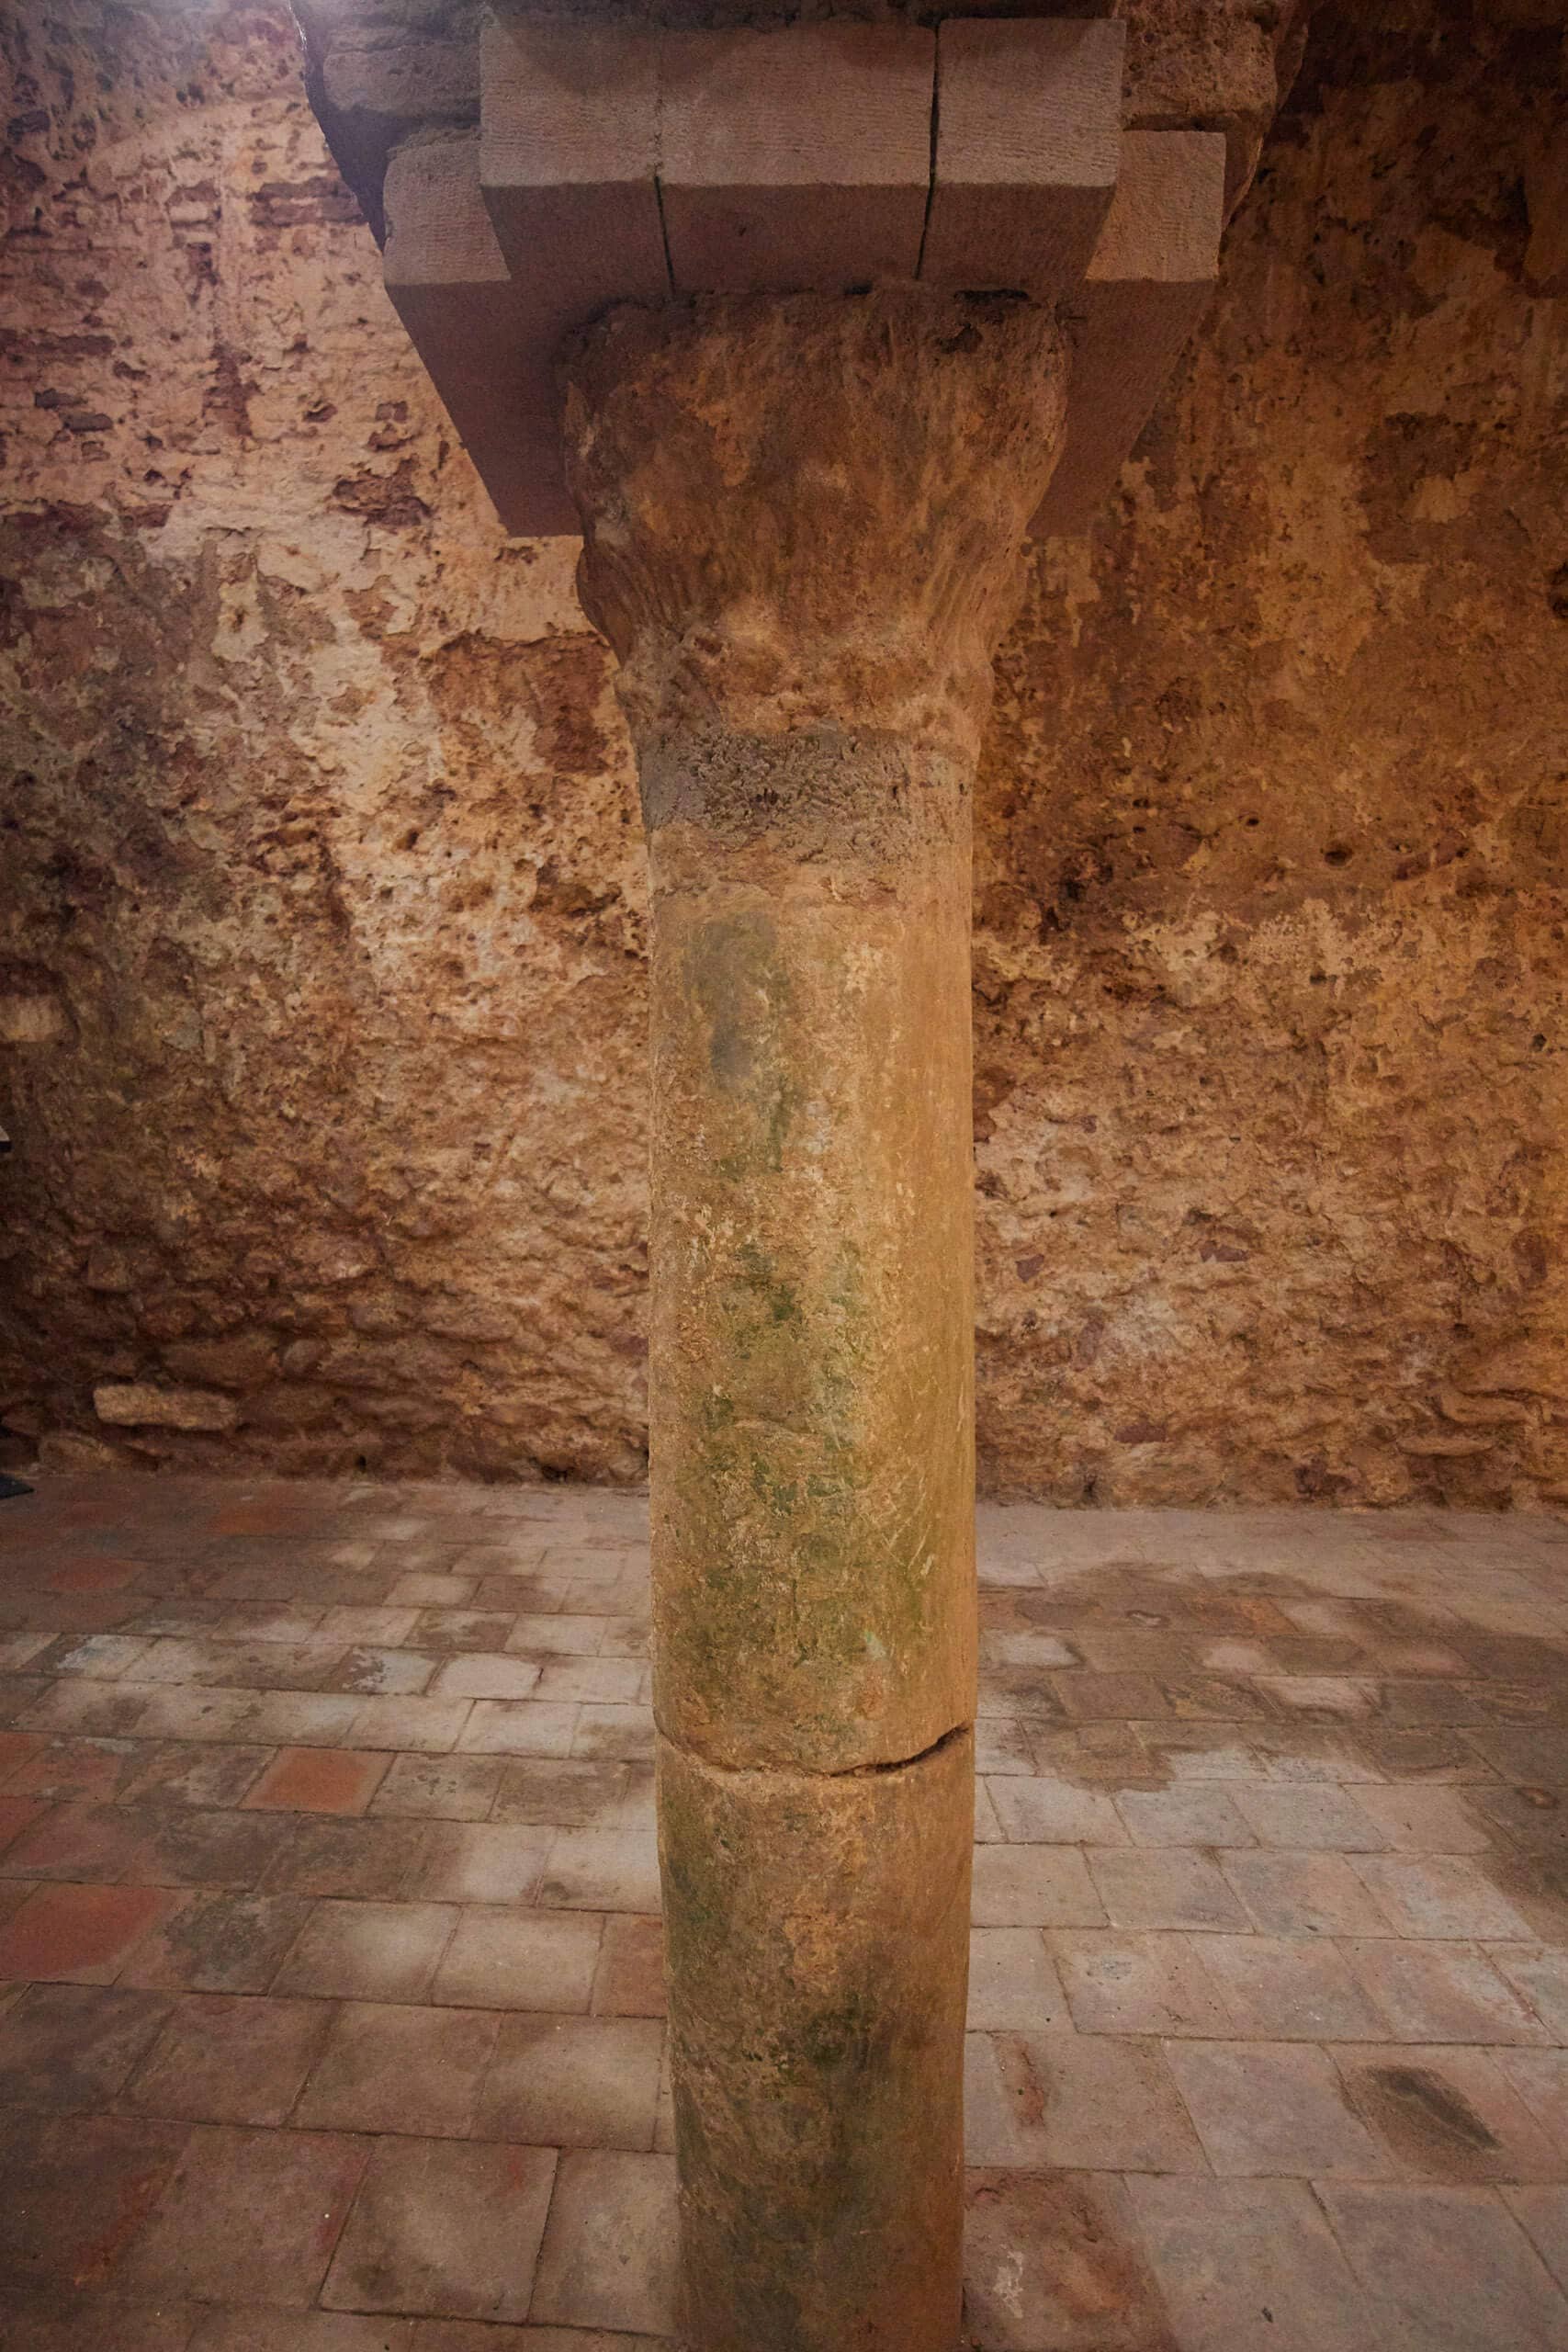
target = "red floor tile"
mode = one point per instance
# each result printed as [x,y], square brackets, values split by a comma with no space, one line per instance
[250,2216]
[320,1779]
[80,1935]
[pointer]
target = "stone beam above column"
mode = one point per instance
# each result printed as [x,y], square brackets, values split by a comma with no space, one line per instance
[794,161]
[1026,122]
[1147,284]
[614,165]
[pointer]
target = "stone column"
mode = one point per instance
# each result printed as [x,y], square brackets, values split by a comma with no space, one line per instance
[803,518]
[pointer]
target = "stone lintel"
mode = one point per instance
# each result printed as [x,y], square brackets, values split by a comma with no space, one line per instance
[1152,276]
[1028,138]
[449,284]
[798,160]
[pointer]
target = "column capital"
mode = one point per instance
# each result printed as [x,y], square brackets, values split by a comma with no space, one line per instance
[806,511]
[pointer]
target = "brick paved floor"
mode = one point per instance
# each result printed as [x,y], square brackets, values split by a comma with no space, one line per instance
[331,2018]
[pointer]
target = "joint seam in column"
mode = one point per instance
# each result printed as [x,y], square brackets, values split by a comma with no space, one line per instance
[804,1773]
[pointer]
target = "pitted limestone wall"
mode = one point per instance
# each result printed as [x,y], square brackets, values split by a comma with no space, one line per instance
[321,891]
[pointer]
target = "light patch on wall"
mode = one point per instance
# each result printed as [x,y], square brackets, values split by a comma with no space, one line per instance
[32,1018]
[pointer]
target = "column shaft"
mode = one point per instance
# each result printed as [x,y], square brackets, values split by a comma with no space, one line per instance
[802,522]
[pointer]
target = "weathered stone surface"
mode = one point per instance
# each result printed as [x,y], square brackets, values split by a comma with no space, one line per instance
[818,1954]
[337,871]
[133,1405]
[802,525]
[802,606]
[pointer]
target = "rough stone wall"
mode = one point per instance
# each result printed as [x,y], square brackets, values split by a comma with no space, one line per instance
[321,1012]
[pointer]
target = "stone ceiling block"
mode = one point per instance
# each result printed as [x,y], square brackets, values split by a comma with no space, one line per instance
[1152,272]
[568,162]
[796,160]
[1028,135]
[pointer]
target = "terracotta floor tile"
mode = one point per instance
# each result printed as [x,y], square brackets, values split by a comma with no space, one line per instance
[449,1788]
[1450,2114]
[518,1727]
[1541,1977]
[1167,1886]
[16,1748]
[227,2058]
[472,2335]
[308,1719]
[318,1779]
[1542,2214]
[110,1709]
[486,1674]
[260,2330]
[374,1858]
[1002,1745]
[510,1959]
[171,1713]
[606,1732]
[1118,1983]
[1452,2265]
[97,1842]
[482,1862]
[425,1725]
[390,2068]
[17,1814]
[1036,1810]
[219,1943]
[1440,1992]
[1440,1896]
[1444,2049]
[1033,1886]
[1289,1988]
[608,2257]
[1424,1820]
[421,1592]
[1055,2261]
[74,2046]
[1273,2109]
[1304,1894]
[542,1637]
[1092,2102]
[444,2227]
[1251,2266]
[78,1771]
[175,1772]
[567,2082]
[1540,2077]
[72,2323]
[78,2189]
[629,1979]
[368,1951]
[374,1672]
[80,1935]
[463,1629]
[191,1846]
[563,1793]
[249,2216]
[1312,1818]
[1193,1812]
[592,1870]
[358,1624]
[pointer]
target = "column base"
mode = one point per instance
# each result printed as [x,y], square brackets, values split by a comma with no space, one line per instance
[817,1932]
